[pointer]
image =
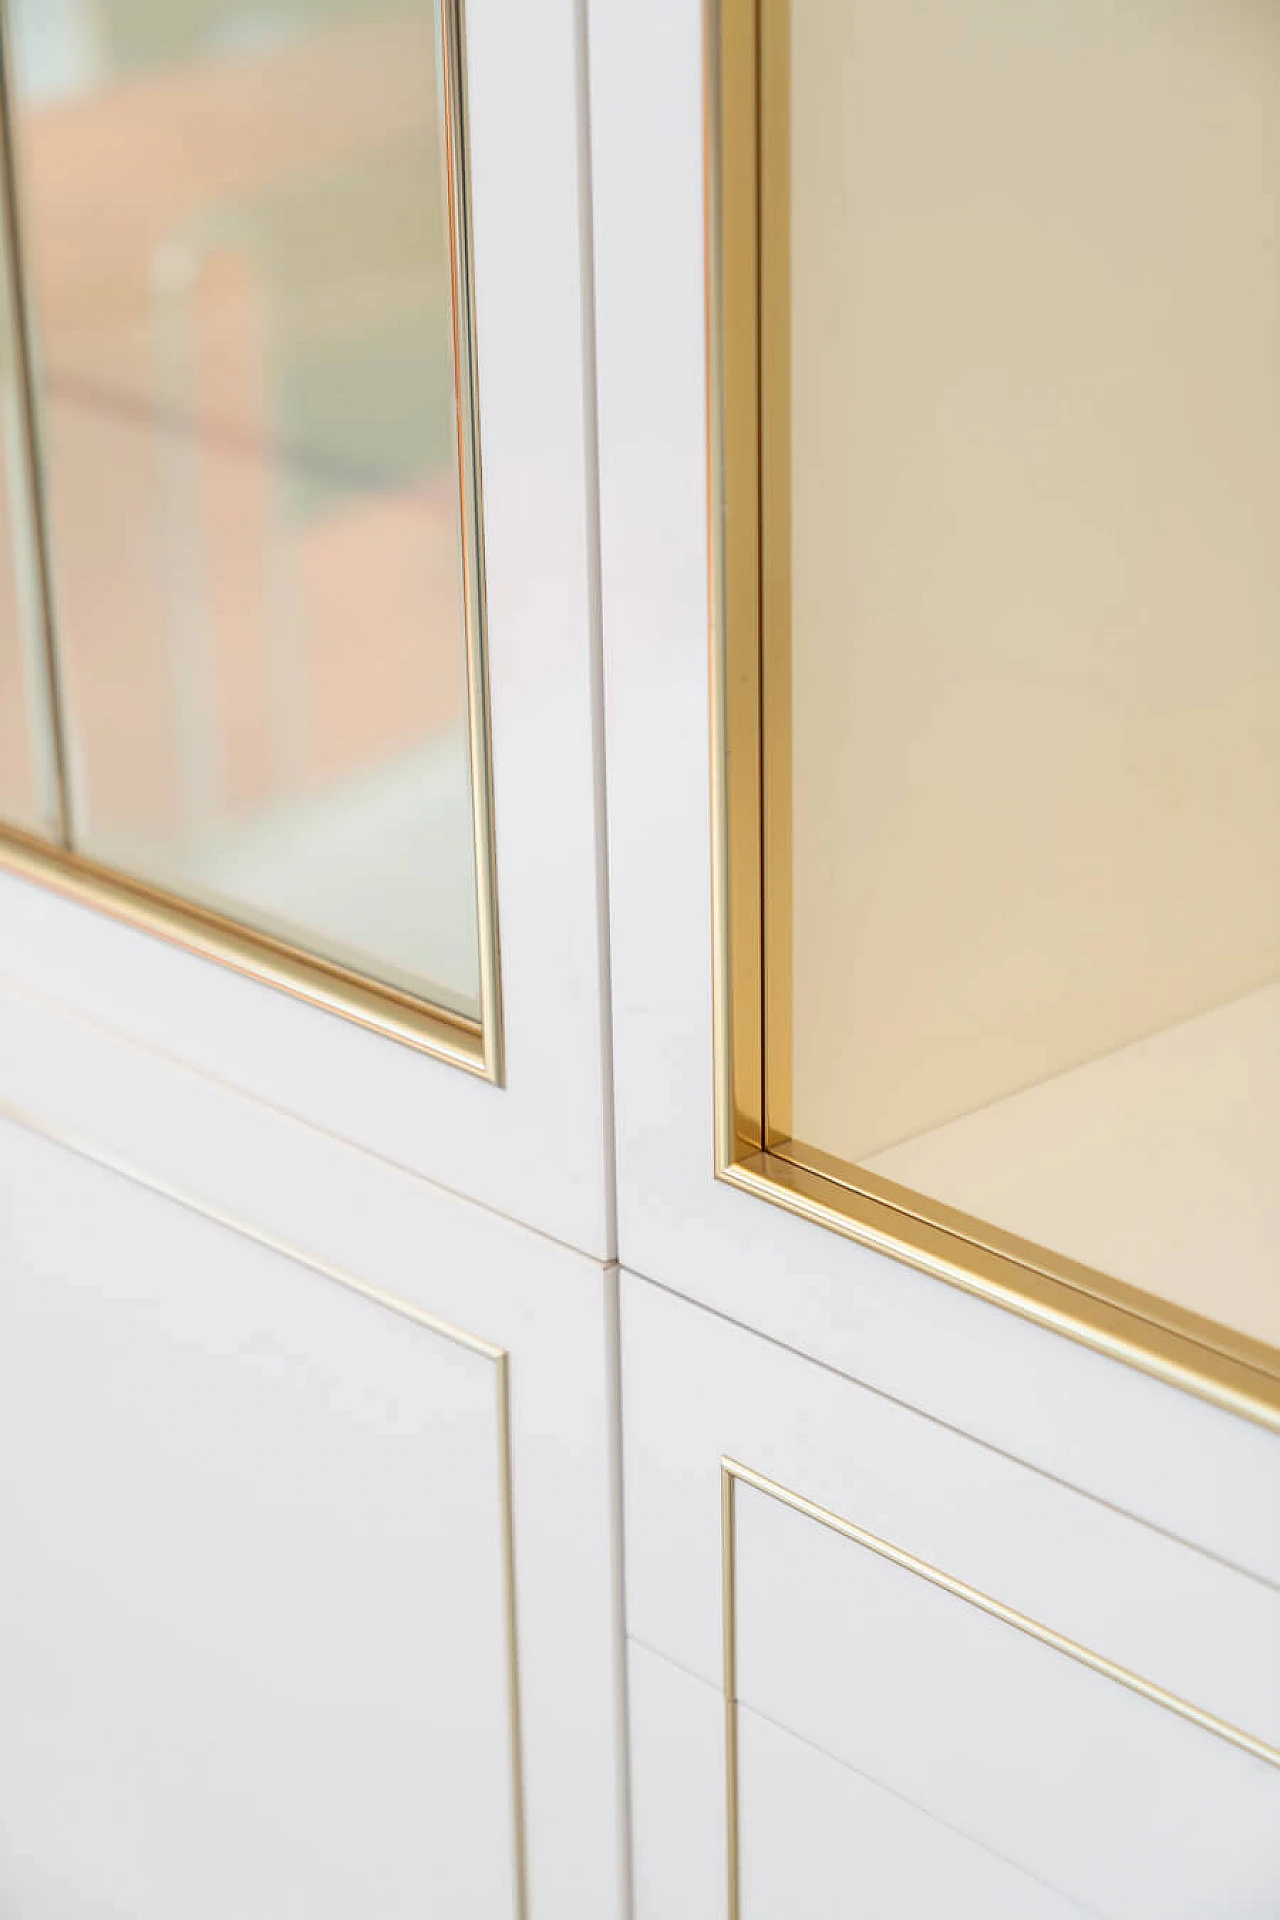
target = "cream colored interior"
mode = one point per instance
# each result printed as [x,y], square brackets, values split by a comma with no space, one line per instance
[1035,313]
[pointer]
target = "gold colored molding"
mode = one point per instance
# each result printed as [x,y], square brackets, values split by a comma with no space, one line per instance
[274,963]
[745,57]
[419,1021]
[733,1472]
[498,1357]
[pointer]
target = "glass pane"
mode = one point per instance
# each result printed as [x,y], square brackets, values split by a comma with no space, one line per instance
[27,777]
[236,226]
[1034,479]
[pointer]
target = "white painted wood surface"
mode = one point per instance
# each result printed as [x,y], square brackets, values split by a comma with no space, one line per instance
[676,1724]
[1113,1801]
[1106,1798]
[252,1625]
[696,1388]
[318,1200]
[1145,1447]
[820,1842]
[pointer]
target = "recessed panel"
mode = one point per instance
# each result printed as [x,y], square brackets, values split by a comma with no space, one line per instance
[254,1648]
[1110,1800]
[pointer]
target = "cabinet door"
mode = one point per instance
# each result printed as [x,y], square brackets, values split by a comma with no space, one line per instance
[307,1503]
[298,485]
[875,1665]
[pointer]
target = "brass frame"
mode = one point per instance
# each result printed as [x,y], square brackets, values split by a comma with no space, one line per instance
[733,1471]
[498,1357]
[475,1044]
[746,214]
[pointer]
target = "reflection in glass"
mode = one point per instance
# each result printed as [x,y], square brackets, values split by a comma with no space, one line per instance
[1034,626]
[239,265]
[28,791]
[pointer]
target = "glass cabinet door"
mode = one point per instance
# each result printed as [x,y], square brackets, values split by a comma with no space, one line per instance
[242,246]
[999,388]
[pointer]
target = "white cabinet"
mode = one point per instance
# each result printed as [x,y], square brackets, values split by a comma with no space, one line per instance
[420,1494]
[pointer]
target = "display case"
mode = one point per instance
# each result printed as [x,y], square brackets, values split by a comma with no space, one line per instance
[996,473]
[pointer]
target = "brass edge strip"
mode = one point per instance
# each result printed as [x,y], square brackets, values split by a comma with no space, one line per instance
[382,1009]
[127,1169]
[498,1357]
[732,373]
[1150,1308]
[520,1864]
[32,555]
[732,1471]
[1108,1329]
[466,382]
[1190,1352]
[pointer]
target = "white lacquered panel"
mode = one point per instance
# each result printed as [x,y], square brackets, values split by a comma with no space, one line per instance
[1107,1797]
[676,1726]
[697,1387]
[253,1627]
[550,1309]
[820,1841]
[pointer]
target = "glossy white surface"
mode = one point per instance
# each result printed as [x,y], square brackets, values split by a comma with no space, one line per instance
[677,1790]
[320,1200]
[820,1840]
[696,1387]
[943,1750]
[536,1148]
[252,1625]
[1148,1448]
[1109,1799]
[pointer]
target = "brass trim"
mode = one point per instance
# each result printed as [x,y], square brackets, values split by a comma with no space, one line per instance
[748,462]
[733,354]
[453,67]
[499,1357]
[732,1471]
[271,962]
[773,91]
[413,1019]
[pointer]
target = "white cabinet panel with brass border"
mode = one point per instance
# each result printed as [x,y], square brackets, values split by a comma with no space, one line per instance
[308,1463]
[1071,1692]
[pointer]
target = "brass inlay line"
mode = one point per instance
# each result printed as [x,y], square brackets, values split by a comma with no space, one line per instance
[733,1471]
[498,1357]
[418,1023]
[471,522]
[746,55]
